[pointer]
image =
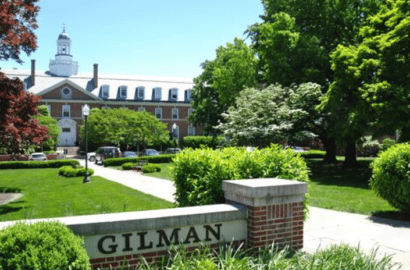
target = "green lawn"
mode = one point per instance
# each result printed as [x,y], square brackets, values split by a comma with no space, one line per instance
[48,195]
[332,187]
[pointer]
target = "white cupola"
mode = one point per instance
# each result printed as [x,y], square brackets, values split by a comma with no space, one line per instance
[63,65]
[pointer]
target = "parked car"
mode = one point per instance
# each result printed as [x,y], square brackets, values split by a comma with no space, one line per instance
[129,154]
[107,152]
[91,156]
[172,150]
[38,156]
[150,152]
[297,149]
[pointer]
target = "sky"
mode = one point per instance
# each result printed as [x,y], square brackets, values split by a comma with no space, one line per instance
[161,38]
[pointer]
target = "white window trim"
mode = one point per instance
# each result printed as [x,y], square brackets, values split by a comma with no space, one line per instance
[174,91]
[158,111]
[157,93]
[172,113]
[123,88]
[188,94]
[105,91]
[64,109]
[140,90]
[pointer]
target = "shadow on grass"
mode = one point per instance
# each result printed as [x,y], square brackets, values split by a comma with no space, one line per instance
[9,208]
[393,218]
[336,174]
[9,190]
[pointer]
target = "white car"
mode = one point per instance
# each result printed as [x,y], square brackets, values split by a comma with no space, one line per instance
[91,156]
[38,156]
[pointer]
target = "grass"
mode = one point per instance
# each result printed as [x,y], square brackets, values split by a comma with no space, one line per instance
[333,187]
[337,188]
[47,195]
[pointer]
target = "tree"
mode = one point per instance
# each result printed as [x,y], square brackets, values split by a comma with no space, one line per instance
[53,130]
[123,127]
[273,115]
[233,69]
[296,39]
[18,130]
[17,25]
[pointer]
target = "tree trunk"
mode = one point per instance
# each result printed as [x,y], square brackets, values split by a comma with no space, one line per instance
[350,155]
[330,147]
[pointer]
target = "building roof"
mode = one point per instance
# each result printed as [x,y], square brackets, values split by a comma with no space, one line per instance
[45,80]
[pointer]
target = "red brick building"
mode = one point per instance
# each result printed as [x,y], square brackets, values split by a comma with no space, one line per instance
[65,92]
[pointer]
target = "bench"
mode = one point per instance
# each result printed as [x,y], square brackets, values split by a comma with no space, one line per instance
[138,166]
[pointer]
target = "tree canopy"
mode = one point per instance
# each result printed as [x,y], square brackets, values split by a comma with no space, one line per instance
[123,127]
[234,68]
[53,129]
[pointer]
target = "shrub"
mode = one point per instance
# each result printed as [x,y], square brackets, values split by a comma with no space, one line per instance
[387,143]
[69,171]
[151,159]
[38,164]
[150,168]
[42,245]
[391,176]
[313,154]
[198,174]
[127,166]
[201,141]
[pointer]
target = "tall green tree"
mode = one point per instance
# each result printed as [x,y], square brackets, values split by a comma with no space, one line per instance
[275,114]
[222,79]
[123,127]
[296,39]
[53,130]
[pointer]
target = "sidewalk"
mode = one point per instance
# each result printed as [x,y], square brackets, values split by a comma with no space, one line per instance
[323,228]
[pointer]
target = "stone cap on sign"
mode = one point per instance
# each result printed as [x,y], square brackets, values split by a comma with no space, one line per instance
[147,220]
[266,191]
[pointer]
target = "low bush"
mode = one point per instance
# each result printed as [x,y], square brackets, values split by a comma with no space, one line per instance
[38,164]
[151,159]
[313,154]
[127,166]
[201,141]
[387,143]
[198,174]
[150,168]
[69,171]
[391,176]
[41,245]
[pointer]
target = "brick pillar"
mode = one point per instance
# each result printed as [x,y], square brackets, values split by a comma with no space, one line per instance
[274,208]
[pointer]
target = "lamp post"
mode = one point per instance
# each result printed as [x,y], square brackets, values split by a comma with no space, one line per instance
[86,112]
[174,130]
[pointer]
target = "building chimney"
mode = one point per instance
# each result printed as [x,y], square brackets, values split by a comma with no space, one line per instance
[33,71]
[95,75]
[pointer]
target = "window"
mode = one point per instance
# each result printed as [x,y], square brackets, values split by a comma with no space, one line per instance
[49,109]
[66,93]
[158,113]
[176,135]
[66,129]
[140,93]
[190,110]
[188,95]
[157,95]
[122,92]
[175,114]
[66,111]
[141,109]
[105,91]
[173,94]
[191,130]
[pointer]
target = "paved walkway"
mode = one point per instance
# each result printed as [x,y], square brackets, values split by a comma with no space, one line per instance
[323,228]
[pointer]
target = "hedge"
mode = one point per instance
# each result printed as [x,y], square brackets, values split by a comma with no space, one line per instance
[313,154]
[38,164]
[201,141]
[150,168]
[198,174]
[69,171]
[151,159]
[41,245]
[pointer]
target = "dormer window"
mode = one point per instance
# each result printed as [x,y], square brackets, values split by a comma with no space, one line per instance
[188,95]
[122,92]
[157,93]
[105,91]
[140,93]
[173,94]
